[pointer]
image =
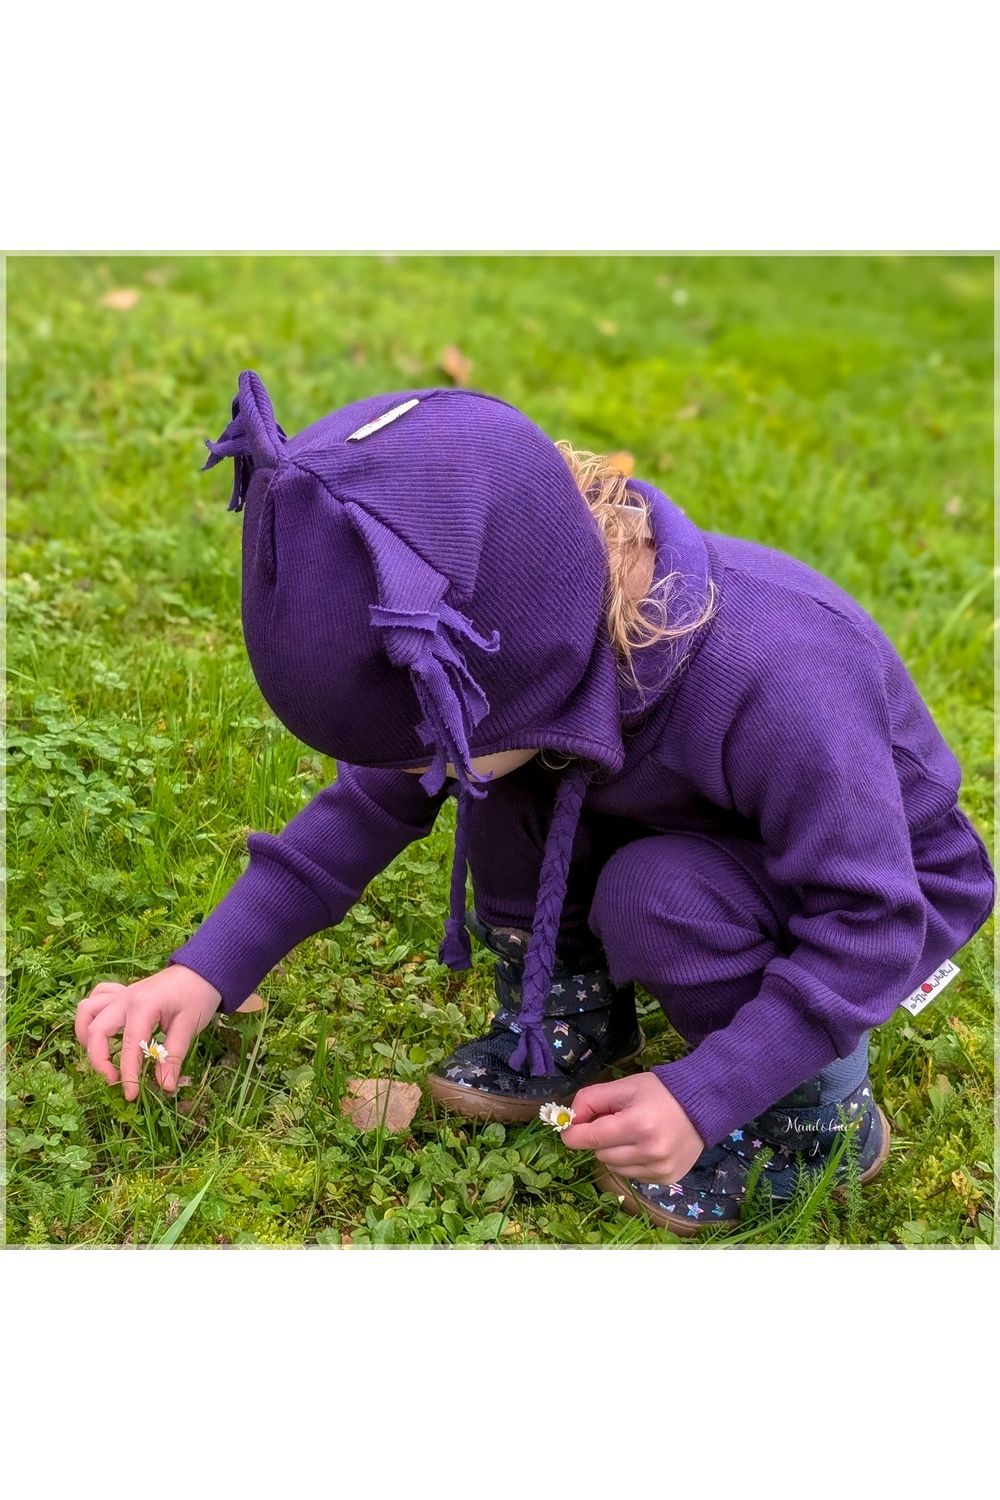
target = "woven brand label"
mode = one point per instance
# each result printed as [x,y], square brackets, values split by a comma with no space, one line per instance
[932,985]
[383,421]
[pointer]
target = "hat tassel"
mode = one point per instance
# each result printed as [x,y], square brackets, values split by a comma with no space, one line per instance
[236,442]
[451,699]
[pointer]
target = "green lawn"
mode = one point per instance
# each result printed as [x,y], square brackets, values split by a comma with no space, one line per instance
[840,409]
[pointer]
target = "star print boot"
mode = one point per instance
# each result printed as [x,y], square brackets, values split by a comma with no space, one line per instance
[797,1134]
[590,1024]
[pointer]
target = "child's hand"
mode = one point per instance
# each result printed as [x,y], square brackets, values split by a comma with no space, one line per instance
[635,1126]
[176,999]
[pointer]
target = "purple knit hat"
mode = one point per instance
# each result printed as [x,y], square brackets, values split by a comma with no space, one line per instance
[422,580]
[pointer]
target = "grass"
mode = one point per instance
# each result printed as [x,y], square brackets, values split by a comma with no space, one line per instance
[839,409]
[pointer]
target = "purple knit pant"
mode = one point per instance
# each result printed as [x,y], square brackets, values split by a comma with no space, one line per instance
[693,918]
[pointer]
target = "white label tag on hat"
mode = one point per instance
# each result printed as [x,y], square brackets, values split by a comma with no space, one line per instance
[925,993]
[383,421]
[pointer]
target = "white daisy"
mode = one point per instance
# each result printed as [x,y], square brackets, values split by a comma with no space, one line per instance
[559,1116]
[154,1050]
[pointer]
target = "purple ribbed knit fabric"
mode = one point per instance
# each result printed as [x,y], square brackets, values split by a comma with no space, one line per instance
[788,718]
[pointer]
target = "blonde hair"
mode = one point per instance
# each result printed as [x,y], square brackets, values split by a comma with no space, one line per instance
[622,515]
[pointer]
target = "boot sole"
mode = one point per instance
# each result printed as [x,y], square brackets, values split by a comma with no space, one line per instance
[609,1182]
[477,1104]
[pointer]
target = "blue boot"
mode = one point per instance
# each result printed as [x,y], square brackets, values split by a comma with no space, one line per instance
[797,1133]
[590,1024]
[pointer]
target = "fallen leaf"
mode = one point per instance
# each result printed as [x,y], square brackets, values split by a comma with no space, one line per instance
[370,1101]
[606,327]
[688,413]
[121,298]
[953,506]
[455,365]
[155,278]
[251,1003]
[622,463]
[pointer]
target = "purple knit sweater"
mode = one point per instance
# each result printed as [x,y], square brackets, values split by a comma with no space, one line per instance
[793,721]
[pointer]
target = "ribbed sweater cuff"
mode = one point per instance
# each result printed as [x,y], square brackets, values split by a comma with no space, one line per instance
[264,915]
[769,1048]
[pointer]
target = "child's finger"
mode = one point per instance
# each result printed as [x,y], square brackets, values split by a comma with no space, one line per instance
[180,1035]
[85,1012]
[631,1160]
[593,1135]
[90,1007]
[139,1026]
[105,1024]
[602,1099]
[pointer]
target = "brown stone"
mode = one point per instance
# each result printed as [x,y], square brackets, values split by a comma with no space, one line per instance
[371,1101]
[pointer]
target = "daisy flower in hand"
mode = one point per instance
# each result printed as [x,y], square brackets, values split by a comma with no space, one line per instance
[154,1050]
[559,1116]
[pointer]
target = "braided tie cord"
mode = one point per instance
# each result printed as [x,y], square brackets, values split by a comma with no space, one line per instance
[533,1046]
[456,950]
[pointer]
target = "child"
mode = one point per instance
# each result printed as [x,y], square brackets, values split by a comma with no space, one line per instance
[708,773]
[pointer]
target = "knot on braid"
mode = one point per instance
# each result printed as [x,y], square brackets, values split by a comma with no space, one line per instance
[539,959]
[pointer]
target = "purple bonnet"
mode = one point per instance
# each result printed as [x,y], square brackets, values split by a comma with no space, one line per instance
[423,582]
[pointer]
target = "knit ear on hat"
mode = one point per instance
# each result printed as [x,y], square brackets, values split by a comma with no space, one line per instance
[422,633]
[253,437]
